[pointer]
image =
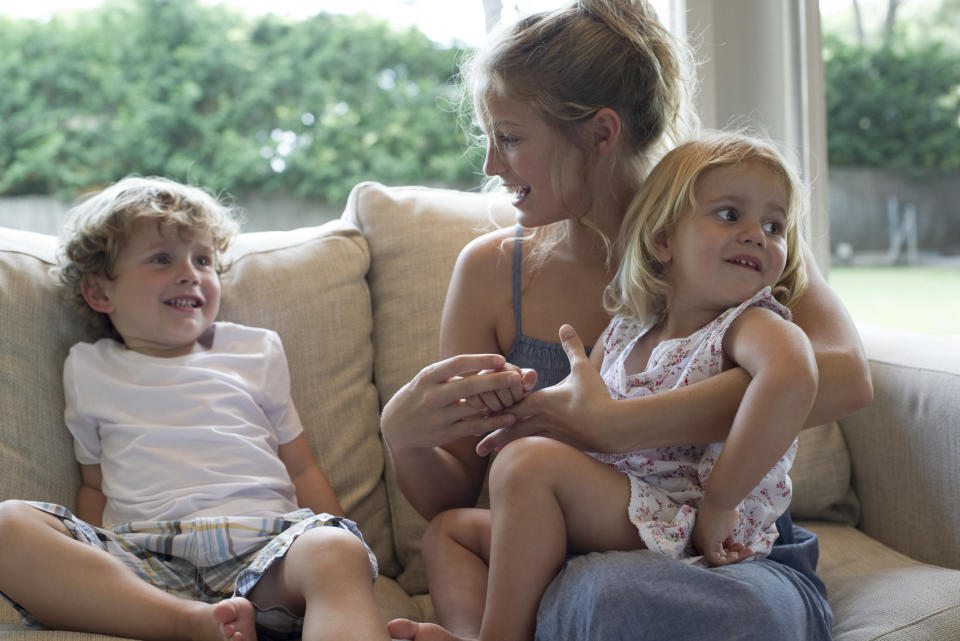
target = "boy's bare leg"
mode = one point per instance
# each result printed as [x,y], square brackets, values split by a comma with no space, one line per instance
[69,585]
[456,551]
[326,577]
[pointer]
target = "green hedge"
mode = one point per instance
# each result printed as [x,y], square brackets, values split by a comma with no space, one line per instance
[206,95]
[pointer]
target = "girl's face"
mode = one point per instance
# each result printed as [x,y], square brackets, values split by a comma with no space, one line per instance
[732,244]
[166,290]
[521,151]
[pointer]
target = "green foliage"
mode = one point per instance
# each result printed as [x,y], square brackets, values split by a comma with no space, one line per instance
[893,107]
[204,95]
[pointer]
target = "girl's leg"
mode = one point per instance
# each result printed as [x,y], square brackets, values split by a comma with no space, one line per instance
[326,577]
[69,585]
[456,551]
[546,498]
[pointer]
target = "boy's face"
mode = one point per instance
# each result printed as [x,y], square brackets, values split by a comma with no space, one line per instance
[166,290]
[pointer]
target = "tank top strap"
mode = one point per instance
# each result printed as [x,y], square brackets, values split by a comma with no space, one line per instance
[517,282]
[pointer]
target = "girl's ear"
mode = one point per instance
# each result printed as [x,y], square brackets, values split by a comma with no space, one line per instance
[95,294]
[662,246]
[605,130]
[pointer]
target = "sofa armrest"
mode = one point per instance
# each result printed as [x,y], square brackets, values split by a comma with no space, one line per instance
[905,446]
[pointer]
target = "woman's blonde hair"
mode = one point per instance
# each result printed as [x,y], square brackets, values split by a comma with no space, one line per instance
[97,229]
[569,63]
[639,288]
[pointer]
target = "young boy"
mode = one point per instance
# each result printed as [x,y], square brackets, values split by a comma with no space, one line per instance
[202,512]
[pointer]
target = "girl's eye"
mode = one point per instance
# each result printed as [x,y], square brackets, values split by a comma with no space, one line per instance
[204,261]
[773,228]
[728,213]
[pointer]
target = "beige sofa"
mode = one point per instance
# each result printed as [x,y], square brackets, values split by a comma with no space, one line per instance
[357,302]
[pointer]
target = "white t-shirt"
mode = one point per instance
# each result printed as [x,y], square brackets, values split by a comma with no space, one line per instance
[179,438]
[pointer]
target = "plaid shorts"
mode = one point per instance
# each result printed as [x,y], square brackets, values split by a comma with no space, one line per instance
[206,559]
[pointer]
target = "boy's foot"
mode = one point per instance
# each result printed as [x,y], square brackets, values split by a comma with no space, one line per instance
[236,619]
[413,631]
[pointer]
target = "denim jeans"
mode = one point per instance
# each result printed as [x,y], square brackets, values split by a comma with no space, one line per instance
[643,595]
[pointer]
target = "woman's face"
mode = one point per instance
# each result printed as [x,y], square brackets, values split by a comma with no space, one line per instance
[524,152]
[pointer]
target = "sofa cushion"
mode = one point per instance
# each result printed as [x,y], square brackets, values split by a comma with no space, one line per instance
[415,235]
[309,286]
[878,593]
[821,477]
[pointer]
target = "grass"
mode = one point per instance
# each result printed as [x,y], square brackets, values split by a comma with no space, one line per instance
[920,299]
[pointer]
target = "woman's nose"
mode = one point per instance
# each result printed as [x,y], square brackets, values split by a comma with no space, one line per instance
[492,163]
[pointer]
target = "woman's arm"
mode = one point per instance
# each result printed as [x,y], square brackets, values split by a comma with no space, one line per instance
[580,411]
[312,486]
[90,498]
[429,428]
[845,384]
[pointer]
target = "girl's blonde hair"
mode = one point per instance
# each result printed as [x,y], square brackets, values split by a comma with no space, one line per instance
[97,229]
[569,63]
[639,288]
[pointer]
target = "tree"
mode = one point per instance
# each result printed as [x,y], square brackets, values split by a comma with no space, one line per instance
[203,94]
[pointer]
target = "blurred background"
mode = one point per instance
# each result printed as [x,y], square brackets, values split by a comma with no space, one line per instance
[285,106]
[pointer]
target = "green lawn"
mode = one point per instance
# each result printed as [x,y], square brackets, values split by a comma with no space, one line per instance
[922,299]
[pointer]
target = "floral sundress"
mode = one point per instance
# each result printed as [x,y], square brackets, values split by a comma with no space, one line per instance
[667,483]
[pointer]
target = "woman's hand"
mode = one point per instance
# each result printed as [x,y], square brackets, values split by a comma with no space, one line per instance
[431,410]
[567,411]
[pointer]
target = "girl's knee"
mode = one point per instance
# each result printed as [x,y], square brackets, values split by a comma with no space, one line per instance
[526,461]
[464,527]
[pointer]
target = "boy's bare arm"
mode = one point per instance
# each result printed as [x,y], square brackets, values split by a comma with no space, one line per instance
[90,498]
[313,488]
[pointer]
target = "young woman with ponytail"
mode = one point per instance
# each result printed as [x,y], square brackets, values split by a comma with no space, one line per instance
[576,105]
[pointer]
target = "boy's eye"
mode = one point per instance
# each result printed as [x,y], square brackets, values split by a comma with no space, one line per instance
[161,259]
[204,261]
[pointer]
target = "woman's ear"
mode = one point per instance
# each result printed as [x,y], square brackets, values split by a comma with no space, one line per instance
[92,288]
[605,130]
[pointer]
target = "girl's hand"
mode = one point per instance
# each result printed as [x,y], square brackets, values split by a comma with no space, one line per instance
[501,399]
[712,534]
[431,410]
[567,411]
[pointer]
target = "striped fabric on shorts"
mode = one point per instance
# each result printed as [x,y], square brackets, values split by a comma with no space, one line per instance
[206,559]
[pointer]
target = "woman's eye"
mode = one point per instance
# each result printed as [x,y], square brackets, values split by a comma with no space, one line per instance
[506,140]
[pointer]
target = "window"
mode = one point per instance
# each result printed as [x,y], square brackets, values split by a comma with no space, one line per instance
[893,122]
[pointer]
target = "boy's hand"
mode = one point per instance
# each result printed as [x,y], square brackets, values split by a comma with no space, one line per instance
[518,387]
[712,534]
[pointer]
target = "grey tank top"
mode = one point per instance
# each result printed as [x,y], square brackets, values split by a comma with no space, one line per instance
[547,358]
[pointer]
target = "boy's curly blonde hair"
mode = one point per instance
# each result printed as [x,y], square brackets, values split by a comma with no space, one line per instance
[97,229]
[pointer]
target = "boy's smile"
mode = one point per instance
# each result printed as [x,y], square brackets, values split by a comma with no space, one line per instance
[165,290]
